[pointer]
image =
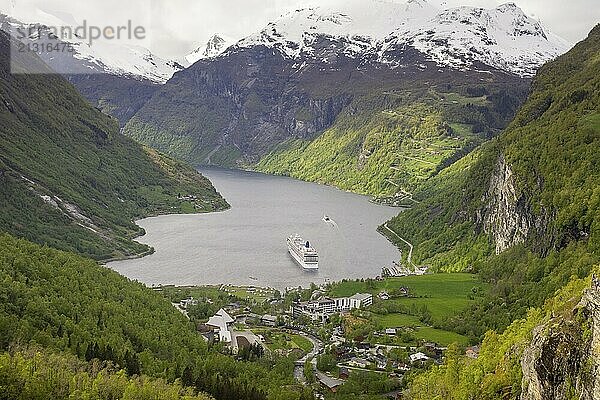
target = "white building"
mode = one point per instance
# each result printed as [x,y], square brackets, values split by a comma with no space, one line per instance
[324,307]
[418,357]
[222,321]
[360,300]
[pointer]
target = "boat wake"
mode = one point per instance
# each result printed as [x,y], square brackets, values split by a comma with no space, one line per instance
[329,221]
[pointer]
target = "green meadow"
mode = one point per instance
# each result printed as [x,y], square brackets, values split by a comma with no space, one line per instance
[431,300]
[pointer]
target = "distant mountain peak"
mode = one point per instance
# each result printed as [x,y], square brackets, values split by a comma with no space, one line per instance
[214,47]
[102,57]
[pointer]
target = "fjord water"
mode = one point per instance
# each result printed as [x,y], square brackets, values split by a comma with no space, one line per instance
[246,245]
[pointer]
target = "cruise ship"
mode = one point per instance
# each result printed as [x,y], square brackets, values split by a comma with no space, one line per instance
[303,253]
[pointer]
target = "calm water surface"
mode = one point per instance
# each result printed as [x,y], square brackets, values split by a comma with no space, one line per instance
[246,244]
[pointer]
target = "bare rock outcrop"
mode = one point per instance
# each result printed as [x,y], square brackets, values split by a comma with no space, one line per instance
[563,360]
[507,215]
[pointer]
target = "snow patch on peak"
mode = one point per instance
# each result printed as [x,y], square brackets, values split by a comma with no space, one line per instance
[503,38]
[215,46]
[105,57]
[356,21]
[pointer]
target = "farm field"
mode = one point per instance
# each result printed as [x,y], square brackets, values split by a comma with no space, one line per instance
[432,298]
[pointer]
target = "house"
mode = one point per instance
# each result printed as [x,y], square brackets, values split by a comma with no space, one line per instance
[380,362]
[390,331]
[337,340]
[418,357]
[244,339]
[269,320]
[430,347]
[363,346]
[207,332]
[328,382]
[344,373]
[359,362]
[472,352]
[222,321]
[185,303]
[384,296]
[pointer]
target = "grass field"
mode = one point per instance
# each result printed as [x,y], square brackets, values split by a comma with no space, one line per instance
[456,286]
[421,331]
[259,295]
[443,294]
[277,340]
[395,320]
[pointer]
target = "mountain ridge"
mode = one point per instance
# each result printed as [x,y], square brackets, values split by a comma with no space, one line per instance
[289,82]
[463,34]
[70,179]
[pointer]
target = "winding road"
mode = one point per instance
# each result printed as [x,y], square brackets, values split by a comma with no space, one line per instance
[410,246]
[317,347]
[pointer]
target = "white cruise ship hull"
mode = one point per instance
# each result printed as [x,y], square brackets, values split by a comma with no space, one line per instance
[311,266]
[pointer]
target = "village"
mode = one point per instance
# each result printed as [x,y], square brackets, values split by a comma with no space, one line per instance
[331,339]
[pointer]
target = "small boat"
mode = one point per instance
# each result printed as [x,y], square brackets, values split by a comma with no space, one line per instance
[326,218]
[253,278]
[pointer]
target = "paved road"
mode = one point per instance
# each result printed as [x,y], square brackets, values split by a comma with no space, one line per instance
[317,348]
[410,246]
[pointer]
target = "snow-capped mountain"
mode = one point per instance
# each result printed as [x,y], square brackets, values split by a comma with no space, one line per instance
[360,24]
[504,37]
[119,59]
[215,46]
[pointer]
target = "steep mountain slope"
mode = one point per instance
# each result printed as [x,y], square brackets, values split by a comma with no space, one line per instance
[117,96]
[356,68]
[390,144]
[549,354]
[69,178]
[523,210]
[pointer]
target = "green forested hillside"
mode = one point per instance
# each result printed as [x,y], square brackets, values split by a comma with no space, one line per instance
[69,179]
[497,372]
[41,374]
[394,142]
[551,149]
[540,177]
[67,304]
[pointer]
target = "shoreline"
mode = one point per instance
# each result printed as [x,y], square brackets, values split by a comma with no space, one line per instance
[205,171]
[143,233]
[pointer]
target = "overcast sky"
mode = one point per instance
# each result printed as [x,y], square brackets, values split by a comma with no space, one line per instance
[178,26]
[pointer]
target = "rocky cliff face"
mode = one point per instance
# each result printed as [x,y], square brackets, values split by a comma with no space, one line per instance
[563,359]
[507,214]
[120,97]
[263,104]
